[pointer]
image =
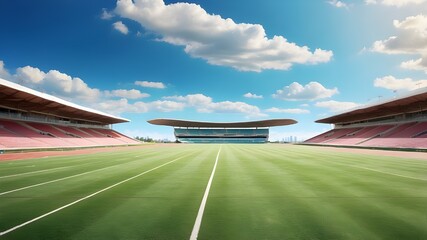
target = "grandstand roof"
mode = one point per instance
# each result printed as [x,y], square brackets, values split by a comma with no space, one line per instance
[15,96]
[413,101]
[252,124]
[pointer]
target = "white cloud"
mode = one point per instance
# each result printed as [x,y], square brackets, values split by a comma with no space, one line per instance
[165,106]
[288,110]
[106,15]
[121,27]
[129,94]
[311,91]
[338,4]
[3,71]
[392,83]
[148,84]
[220,41]
[335,106]
[117,107]
[205,104]
[76,90]
[411,38]
[234,107]
[394,3]
[123,105]
[418,64]
[369,2]
[194,100]
[30,74]
[56,83]
[71,87]
[252,95]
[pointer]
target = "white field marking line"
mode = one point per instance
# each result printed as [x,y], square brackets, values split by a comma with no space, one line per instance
[370,169]
[84,198]
[55,180]
[394,174]
[199,217]
[59,179]
[45,170]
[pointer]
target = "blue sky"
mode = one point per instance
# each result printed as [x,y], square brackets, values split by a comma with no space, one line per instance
[216,60]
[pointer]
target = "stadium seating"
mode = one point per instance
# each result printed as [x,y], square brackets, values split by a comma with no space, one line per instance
[103,138]
[220,132]
[360,135]
[397,135]
[11,139]
[61,135]
[39,139]
[222,140]
[116,135]
[408,135]
[332,135]
[18,134]
[221,135]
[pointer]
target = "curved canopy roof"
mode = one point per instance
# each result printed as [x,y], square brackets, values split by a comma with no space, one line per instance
[414,101]
[252,124]
[15,96]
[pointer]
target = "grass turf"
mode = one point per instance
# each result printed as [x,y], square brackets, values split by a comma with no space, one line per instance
[258,192]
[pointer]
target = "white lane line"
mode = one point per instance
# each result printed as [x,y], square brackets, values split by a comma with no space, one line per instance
[374,170]
[45,170]
[84,198]
[60,179]
[20,174]
[394,174]
[55,180]
[199,217]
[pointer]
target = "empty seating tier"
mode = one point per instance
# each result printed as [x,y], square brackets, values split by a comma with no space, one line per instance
[398,135]
[24,135]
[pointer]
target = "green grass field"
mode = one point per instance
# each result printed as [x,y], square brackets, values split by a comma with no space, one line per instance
[258,192]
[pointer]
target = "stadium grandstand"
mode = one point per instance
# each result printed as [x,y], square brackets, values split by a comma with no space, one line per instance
[30,119]
[396,123]
[214,132]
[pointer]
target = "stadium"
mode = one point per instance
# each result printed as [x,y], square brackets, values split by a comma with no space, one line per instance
[78,178]
[31,119]
[212,132]
[396,123]
[213,120]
